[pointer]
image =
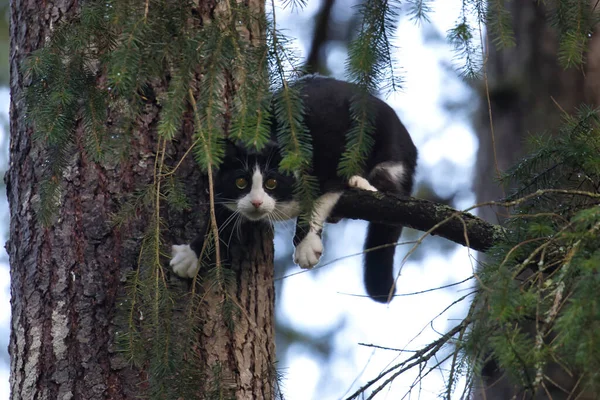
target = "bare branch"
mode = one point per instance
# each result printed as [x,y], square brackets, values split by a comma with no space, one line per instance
[418,214]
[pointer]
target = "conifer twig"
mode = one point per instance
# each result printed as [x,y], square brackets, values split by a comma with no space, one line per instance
[211,190]
[188,151]
[419,292]
[146,8]
[158,166]
[485,55]
[370,249]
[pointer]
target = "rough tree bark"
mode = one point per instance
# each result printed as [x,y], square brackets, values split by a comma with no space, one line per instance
[67,278]
[528,91]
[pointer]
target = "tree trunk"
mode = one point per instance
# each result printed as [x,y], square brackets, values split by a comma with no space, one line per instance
[68,279]
[526,87]
[528,91]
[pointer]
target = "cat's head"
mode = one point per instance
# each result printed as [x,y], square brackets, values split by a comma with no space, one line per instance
[249,182]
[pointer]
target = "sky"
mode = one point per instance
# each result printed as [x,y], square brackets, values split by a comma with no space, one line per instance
[4,274]
[316,301]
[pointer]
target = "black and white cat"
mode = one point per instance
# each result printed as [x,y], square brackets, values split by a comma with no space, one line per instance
[248,183]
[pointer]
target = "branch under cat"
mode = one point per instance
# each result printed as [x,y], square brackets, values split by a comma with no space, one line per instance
[457,226]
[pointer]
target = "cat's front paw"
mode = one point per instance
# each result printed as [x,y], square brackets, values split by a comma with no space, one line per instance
[184,261]
[308,251]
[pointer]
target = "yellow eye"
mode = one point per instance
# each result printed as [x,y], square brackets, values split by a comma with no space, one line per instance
[271,184]
[241,183]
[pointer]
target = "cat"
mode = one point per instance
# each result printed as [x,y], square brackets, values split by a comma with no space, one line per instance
[249,183]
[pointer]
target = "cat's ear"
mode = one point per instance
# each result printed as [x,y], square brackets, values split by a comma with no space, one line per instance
[272,151]
[272,145]
[233,150]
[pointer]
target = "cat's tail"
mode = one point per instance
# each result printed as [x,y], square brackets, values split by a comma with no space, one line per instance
[379,264]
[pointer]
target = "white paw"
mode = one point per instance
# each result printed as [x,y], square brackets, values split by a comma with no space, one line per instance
[308,251]
[360,183]
[184,261]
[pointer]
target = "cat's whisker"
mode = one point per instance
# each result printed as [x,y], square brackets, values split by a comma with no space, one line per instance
[272,216]
[280,216]
[239,228]
[228,220]
[287,226]
[281,213]
[234,228]
[235,218]
[287,223]
[231,233]
[296,224]
[244,162]
[271,222]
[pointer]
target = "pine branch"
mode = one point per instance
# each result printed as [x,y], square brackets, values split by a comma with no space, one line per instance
[419,10]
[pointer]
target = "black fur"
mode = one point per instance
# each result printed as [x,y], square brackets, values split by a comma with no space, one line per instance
[327,117]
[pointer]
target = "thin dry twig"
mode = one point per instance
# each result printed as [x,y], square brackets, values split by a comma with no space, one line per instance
[421,356]
[211,191]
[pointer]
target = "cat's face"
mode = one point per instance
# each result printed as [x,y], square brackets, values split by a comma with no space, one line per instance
[250,184]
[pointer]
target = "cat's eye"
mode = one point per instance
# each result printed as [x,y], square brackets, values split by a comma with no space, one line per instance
[271,184]
[241,183]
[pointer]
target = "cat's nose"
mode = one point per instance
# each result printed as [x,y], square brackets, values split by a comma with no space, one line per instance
[256,203]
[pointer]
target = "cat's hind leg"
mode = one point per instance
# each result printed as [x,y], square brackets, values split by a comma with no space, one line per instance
[391,177]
